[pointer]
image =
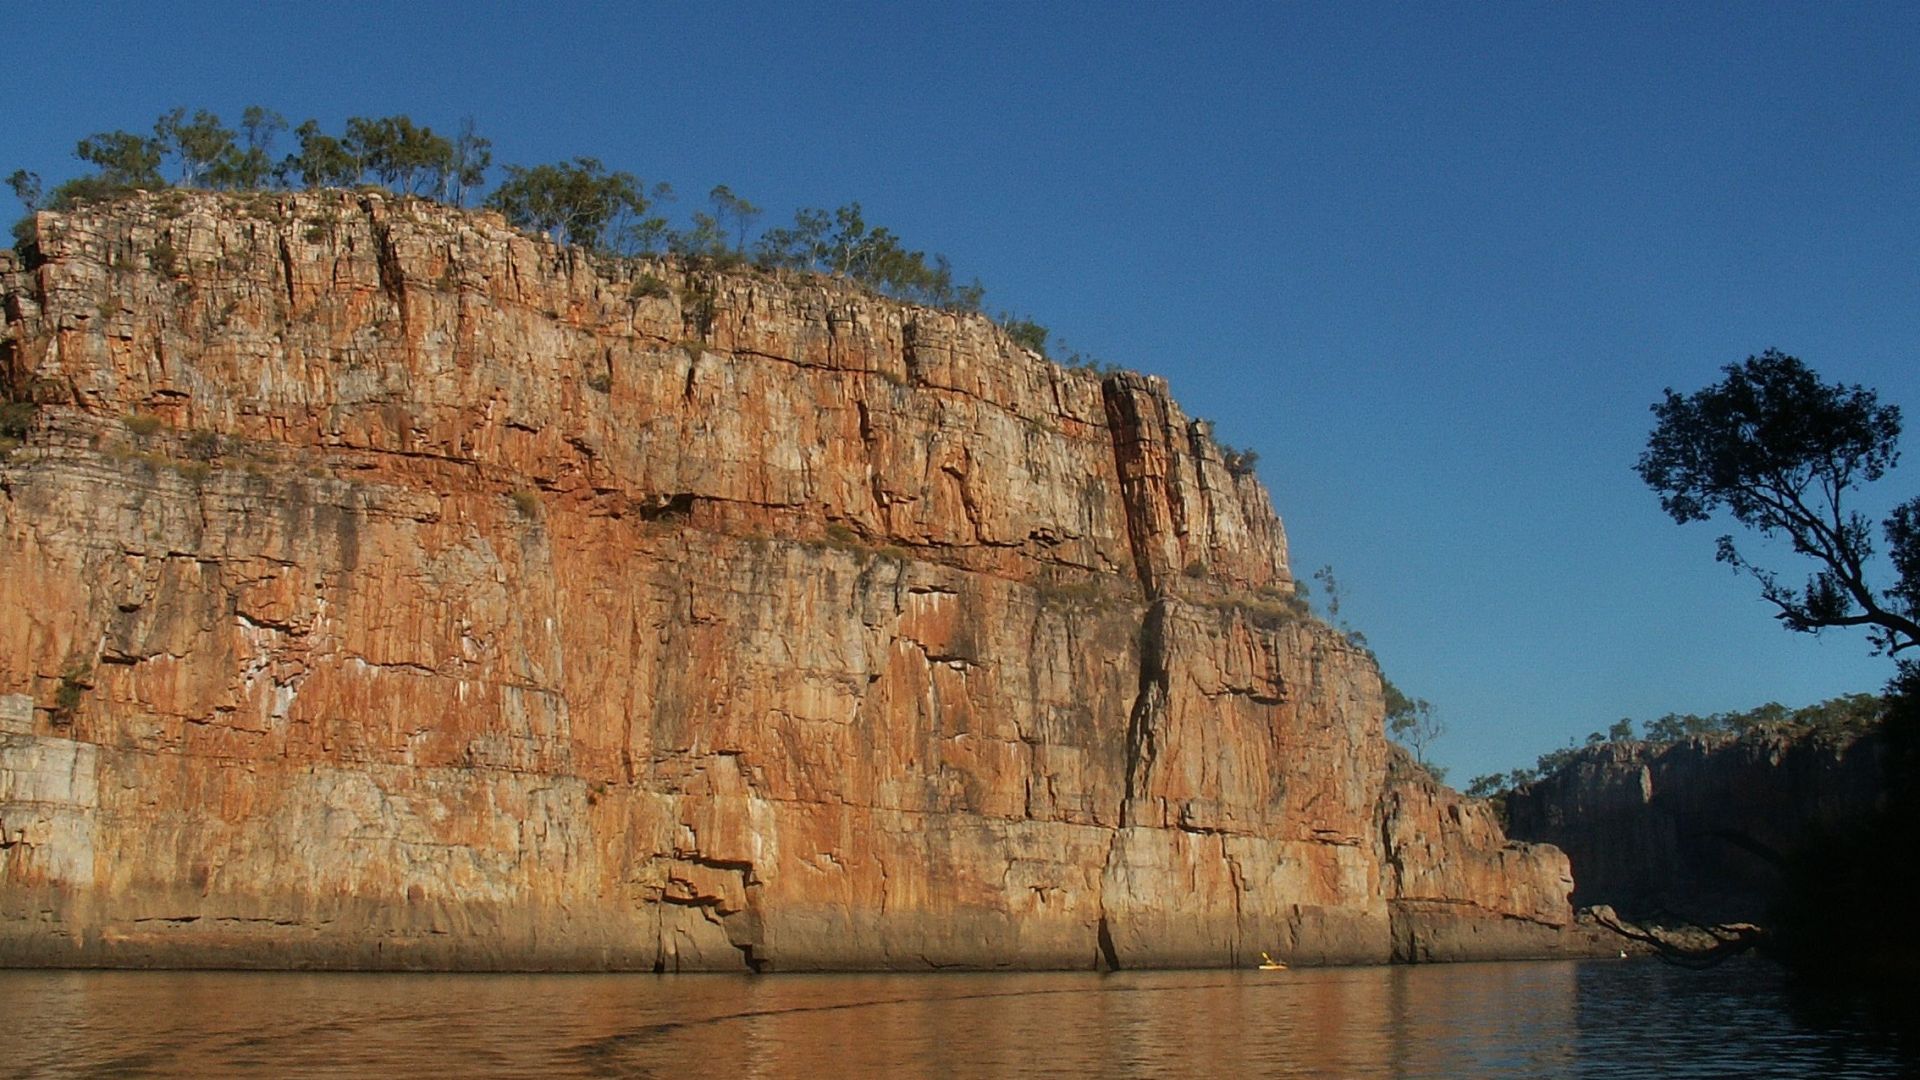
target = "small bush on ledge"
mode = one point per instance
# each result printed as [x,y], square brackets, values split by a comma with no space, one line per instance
[75,680]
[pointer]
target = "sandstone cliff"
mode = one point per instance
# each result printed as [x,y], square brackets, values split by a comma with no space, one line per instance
[383,587]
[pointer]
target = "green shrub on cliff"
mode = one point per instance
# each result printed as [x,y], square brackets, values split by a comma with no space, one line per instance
[322,161]
[76,678]
[16,422]
[577,202]
[405,157]
[1846,714]
[1413,723]
[124,159]
[841,242]
[1238,462]
[25,187]
[248,165]
[720,237]
[197,143]
[1025,332]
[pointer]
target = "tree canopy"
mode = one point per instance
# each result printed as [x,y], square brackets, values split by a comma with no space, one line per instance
[1780,451]
[576,201]
[205,153]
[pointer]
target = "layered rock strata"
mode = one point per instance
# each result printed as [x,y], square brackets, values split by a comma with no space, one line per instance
[387,588]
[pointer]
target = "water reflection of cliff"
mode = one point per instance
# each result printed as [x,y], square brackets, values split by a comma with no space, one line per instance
[1540,1019]
[1438,1020]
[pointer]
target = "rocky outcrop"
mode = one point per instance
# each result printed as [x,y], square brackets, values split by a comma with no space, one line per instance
[1700,829]
[1459,889]
[387,588]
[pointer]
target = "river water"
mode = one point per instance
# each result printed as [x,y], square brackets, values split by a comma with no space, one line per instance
[1596,1018]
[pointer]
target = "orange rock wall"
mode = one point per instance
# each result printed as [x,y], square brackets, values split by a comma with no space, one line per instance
[386,588]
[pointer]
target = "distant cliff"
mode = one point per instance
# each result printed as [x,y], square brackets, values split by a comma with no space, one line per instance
[1703,828]
[387,588]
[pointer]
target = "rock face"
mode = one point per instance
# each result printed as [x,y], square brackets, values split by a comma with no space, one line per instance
[1698,828]
[1447,864]
[386,588]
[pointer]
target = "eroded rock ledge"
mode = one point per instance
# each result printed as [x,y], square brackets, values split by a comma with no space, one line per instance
[386,588]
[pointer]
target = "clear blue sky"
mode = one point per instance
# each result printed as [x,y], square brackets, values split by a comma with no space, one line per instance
[1432,262]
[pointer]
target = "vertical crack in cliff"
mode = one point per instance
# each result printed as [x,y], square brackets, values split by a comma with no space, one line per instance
[1238,879]
[286,270]
[876,483]
[1149,704]
[1124,423]
[1106,956]
[393,280]
[1385,809]
[1149,707]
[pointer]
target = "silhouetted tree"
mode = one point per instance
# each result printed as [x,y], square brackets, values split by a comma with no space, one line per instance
[1487,785]
[1780,450]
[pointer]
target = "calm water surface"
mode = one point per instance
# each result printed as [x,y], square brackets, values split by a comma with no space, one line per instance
[1597,1018]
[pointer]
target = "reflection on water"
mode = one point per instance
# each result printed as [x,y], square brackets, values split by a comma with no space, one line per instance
[1547,1019]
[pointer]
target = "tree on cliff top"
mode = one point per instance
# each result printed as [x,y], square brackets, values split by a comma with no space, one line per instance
[124,159]
[576,201]
[1413,723]
[1780,450]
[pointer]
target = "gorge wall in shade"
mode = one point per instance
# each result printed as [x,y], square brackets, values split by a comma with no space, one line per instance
[1703,828]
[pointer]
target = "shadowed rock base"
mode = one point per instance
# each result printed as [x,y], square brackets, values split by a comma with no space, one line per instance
[45,929]
[1424,932]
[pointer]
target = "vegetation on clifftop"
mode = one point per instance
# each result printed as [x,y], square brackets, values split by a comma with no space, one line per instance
[1844,716]
[579,202]
[1410,721]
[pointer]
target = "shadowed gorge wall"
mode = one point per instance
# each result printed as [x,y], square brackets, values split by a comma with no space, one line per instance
[1703,828]
[386,588]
